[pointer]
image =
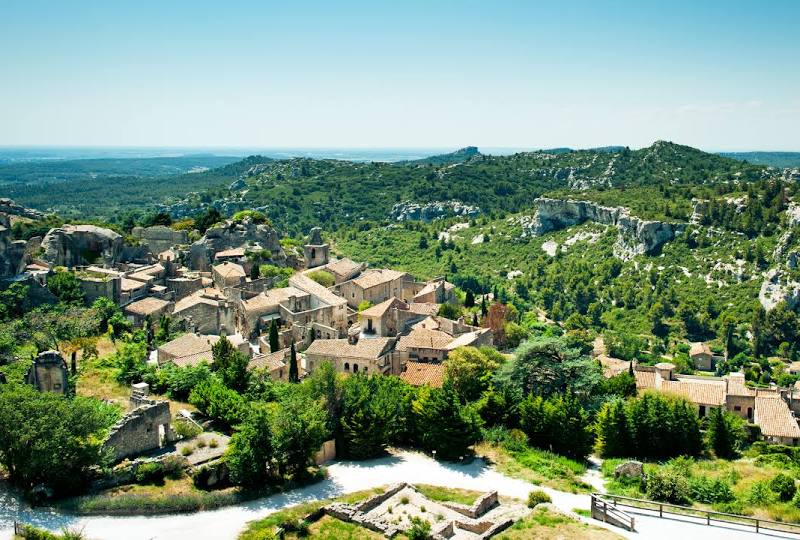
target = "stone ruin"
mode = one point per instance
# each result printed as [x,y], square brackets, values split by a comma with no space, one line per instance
[146,428]
[49,373]
[383,513]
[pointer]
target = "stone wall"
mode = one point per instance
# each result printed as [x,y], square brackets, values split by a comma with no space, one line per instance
[484,503]
[139,431]
[159,238]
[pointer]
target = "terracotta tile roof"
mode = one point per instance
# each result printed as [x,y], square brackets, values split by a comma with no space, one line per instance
[737,387]
[131,284]
[147,305]
[269,361]
[313,288]
[423,308]
[645,380]
[229,269]
[699,392]
[343,267]
[774,417]
[233,252]
[420,374]
[699,348]
[208,296]
[271,299]
[378,310]
[420,338]
[612,366]
[467,339]
[367,348]
[375,277]
[190,349]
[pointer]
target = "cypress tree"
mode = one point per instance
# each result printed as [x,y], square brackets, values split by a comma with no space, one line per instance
[274,343]
[294,376]
[469,301]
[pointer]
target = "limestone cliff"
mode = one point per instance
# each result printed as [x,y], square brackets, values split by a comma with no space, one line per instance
[76,245]
[636,236]
[244,233]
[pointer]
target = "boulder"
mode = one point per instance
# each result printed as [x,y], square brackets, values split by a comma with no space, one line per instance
[9,207]
[629,469]
[78,245]
[235,234]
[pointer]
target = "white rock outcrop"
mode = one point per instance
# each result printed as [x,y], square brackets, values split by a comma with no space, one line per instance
[777,288]
[235,234]
[636,236]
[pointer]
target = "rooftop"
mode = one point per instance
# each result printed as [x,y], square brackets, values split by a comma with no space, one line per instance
[375,277]
[230,270]
[146,306]
[343,267]
[420,374]
[379,310]
[369,349]
[774,417]
[420,338]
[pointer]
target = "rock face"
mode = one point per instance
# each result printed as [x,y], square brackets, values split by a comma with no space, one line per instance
[410,211]
[636,236]
[76,245]
[160,238]
[12,252]
[629,469]
[235,234]
[777,287]
[9,207]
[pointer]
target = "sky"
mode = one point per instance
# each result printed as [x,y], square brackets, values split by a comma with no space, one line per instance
[717,75]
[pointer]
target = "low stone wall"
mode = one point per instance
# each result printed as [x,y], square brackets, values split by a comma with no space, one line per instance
[138,431]
[478,508]
[376,500]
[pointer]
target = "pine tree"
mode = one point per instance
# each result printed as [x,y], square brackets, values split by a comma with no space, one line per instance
[274,343]
[294,375]
[469,300]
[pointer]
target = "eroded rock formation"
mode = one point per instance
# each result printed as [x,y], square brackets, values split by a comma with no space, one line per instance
[76,245]
[410,211]
[235,234]
[636,236]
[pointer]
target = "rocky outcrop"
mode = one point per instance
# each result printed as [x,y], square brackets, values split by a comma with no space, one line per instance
[410,211]
[12,252]
[77,245]
[9,207]
[636,236]
[235,234]
[777,287]
[159,238]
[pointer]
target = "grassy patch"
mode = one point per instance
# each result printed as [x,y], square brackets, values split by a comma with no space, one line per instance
[539,467]
[544,523]
[442,494]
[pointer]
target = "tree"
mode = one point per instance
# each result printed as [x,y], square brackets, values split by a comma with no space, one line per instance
[255,272]
[130,360]
[469,371]
[546,365]
[612,431]
[49,439]
[469,299]
[66,287]
[372,415]
[294,375]
[449,311]
[250,451]
[230,364]
[298,431]
[725,433]
[443,424]
[484,311]
[558,423]
[496,320]
[274,341]
[217,401]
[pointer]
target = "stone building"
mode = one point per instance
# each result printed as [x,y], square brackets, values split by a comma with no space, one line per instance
[152,307]
[228,274]
[344,269]
[206,311]
[276,364]
[316,252]
[144,429]
[49,373]
[160,238]
[701,356]
[191,349]
[376,286]
[365,356]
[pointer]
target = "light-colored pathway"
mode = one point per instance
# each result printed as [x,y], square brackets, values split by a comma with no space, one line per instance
[345,477]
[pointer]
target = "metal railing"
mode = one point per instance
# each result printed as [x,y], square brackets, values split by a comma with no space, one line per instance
[711,517]
[607,512]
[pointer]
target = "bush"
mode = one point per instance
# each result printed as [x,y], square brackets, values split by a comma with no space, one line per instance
[760,494]
[420,529]
[705,490]
[322,277]
[150,473]
[667,486]
[187,451]
[784,486]
[186,429]
[537,497]
[516,441]
[174,467]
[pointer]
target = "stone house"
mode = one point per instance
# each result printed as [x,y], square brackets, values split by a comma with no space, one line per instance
[437,291]
[132,290]
[778,424]
[276,364]
[137,312]
[228,274]
[423,374]
[316,252]
[190,349]
[375,286]
[184,285]
[206,311]
[701,356]
[97,284]
[365,356]
[344,269]
[423,345]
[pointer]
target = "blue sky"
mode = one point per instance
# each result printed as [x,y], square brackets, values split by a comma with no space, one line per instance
[719,75]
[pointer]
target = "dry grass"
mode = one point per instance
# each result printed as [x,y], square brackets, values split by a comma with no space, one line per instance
[547,524]
[537,467]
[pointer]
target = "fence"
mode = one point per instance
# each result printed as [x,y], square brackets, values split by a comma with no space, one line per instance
[607,512]
[711,517]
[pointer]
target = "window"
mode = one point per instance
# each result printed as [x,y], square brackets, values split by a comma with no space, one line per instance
[737,408]
[347,366]
[365,370]
[749,413]
[355,368]
[702,411]
[313,253]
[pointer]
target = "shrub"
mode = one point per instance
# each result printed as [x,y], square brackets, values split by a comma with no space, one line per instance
[322,277]
[420,529]
[213,443]
[404,500]
[174,467]
[668,486]
[187,451]
[200,443]
[784,486]
[516,441]
[759,494]
[149,473]
[705,490]
[537,497]
[186,429]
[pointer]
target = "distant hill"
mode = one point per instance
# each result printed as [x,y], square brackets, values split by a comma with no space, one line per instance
[459,156]
[773,159]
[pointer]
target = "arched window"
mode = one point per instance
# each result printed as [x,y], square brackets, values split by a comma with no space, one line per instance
[313,253]
[355,368]
[347,366]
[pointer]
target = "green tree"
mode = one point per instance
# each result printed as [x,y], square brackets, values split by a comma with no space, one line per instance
[255,272]
[294,375]
[217,401]
[725,433]
[230,364]
[469,299]
[469,371]
[558,423]
[443,424]
[66,287]
[274,341]
[611,427]
[49,439]
[250,451]
[299,427]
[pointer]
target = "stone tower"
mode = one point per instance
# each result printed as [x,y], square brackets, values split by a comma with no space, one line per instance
[316,252]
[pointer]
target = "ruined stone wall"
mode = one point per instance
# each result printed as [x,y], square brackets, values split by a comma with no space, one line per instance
[159,238]
[139,430]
